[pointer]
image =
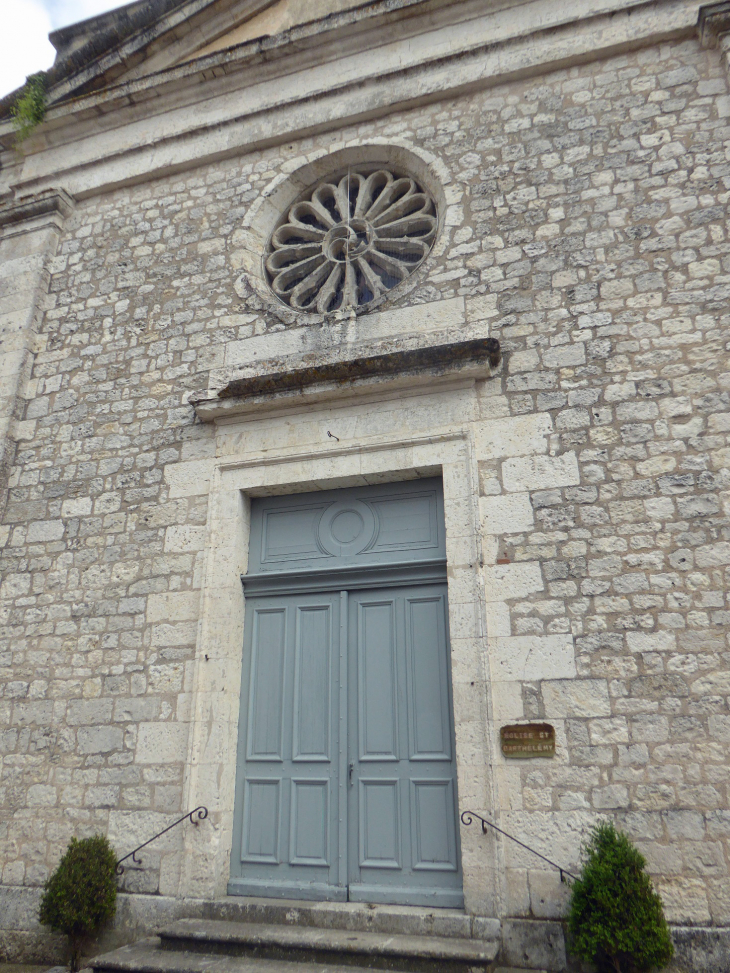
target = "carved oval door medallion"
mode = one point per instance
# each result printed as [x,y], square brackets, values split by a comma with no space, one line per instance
[346,528]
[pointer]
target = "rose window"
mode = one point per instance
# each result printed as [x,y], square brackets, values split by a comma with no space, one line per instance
[350,240]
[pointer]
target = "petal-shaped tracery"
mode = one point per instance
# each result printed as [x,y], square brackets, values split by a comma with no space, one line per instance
[350,239]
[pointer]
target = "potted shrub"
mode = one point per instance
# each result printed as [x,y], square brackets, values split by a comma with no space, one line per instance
[616,918]
[81,895]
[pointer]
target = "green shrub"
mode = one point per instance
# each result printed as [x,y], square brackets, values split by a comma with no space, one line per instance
[616,919]
[30,108]
[81,895]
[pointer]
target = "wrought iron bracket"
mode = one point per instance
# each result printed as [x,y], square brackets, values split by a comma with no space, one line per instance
[202,814]
[468,817]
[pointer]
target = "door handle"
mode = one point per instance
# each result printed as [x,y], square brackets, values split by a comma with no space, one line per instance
[349,773]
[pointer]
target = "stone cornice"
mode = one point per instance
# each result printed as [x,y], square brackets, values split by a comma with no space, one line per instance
[341,35]
[50,203]
[115,62]
[95,53]
[96,72]
[324,379]
[280,54]
[270,91]
[713,22]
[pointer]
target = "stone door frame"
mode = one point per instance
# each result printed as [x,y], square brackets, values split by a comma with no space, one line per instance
[211,759]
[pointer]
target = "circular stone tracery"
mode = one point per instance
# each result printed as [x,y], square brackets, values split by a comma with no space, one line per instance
[351,240]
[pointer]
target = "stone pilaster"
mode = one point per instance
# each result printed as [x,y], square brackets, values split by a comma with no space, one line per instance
[29,233]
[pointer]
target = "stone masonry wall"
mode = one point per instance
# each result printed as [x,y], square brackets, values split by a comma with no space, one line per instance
[595,224]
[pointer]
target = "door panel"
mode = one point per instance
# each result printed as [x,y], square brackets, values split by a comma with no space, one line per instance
[428,678]
[379,823]
[376,661]
[261,821]
[287,790]
[267,685]
[401,806]
[432,825]
[407,523]
[332,529]
[313,682]
[309,843]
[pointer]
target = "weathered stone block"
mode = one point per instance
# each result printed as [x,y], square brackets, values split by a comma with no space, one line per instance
[579,697]
[684,900]
[513,436]
[507,514]
[173,606]
[537,944]
[90,712]
[651,641]
[540,472]
[505,581]
[98,739]
[45,530]
[532,658]
[161,743]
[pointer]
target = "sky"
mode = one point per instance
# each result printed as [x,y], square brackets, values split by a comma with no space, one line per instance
[24,44]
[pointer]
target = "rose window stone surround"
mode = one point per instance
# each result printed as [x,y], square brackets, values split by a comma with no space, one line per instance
[350,239]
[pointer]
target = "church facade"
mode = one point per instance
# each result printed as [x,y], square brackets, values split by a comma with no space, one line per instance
[366,407]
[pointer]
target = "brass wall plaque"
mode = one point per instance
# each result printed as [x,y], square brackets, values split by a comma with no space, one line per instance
[528,740]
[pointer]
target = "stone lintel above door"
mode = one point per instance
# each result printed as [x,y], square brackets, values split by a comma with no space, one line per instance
[406,361]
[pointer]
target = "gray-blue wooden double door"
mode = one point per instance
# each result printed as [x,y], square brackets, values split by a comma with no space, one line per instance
[346,781]
[348,784]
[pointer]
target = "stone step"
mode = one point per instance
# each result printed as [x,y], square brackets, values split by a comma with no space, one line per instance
[406,920]
[146,956]
[339,947]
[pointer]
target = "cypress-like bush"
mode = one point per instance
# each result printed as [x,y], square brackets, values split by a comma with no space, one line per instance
[81,895]
[616,918]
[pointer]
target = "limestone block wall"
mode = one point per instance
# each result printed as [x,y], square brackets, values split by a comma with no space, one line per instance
[593,242]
